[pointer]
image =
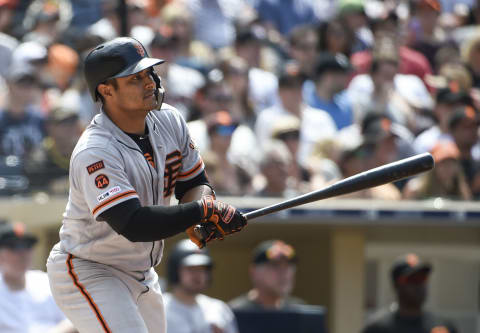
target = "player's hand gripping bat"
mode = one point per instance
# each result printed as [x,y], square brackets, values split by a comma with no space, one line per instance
[374,177]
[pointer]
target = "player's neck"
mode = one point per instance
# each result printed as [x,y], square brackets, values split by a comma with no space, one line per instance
[267,300]
[128,122]
[184,297]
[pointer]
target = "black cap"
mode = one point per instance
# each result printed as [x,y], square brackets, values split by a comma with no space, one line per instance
[452,95]
[273,250]
[463,113]
[15,236]
[254,33]
[119,57]
[290,75]
[407,265]
[332,62]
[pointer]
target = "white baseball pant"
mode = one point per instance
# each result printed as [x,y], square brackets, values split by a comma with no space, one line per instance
[100,298]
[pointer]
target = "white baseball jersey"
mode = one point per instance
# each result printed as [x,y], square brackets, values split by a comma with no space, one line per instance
[30,310]
[207,315]
[107,167]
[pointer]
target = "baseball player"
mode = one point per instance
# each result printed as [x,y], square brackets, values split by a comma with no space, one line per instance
[189,273]
[127,164]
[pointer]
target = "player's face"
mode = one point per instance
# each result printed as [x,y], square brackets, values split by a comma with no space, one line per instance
[194,279]
[135,93]
[276,277]
[15,262]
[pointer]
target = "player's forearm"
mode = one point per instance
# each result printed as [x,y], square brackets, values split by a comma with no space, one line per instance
[157,222]
[151,223]
[196,193]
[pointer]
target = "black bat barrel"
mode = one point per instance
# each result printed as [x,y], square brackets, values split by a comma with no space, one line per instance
[374,177]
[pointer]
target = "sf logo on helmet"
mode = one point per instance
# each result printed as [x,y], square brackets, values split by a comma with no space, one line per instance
[140,50]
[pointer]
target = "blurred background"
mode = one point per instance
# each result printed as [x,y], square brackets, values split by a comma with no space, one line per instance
[282,98]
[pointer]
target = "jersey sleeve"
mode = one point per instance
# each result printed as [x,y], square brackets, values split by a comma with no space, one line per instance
[192,163]
[99,176]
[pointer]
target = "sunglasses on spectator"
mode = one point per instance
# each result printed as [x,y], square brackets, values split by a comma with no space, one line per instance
[292,135]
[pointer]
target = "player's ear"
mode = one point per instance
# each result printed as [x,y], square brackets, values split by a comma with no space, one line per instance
[104,89]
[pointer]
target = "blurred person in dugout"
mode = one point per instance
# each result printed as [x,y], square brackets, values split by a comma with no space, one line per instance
[228,177]
[272,273]
[189,274]
[446,180]
[47,166]
[26,304]
[410,281]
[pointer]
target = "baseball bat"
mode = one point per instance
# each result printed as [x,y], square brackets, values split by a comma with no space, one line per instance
[374,177]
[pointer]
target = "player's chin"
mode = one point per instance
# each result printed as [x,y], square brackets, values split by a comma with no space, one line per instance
[150,103]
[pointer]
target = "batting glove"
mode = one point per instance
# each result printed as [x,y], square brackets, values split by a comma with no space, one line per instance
[227,219]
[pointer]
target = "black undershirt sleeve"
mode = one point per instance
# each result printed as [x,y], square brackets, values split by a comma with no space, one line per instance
[182,187]
[150,223]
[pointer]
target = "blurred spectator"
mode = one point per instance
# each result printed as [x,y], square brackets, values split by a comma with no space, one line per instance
[471,57]
[47,166]
[352,14]
[424,33]
[85,13]
[122,18]
[410,278]
[409,61]
[446,180]
[26,303]
[181,81]
[272,273]
[227,178]
[262,84]
[447,99]
[326,90]
[386,91]
[214,20]
[356,159]
[235,70]
[287,128]
[464,124]
[336,37]
[177,24]
[187,308]
[7,13]
[274,179]
[303,43]
[21,120]
[285,15]
[291,103]
[61,67]
[390,141]
[216,95]
[44,21]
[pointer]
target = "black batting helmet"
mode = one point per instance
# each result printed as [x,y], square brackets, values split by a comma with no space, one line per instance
[118,57]
[186,253]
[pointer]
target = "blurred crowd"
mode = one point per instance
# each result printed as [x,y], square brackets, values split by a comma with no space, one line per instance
[282,97]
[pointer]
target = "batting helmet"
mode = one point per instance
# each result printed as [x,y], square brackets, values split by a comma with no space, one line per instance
[119,57]
[186,253]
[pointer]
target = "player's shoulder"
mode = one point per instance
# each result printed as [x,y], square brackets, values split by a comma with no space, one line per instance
[168,116]
[379,321]
[208,302]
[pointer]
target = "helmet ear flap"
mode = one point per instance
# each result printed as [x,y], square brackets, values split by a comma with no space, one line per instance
[159,90]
